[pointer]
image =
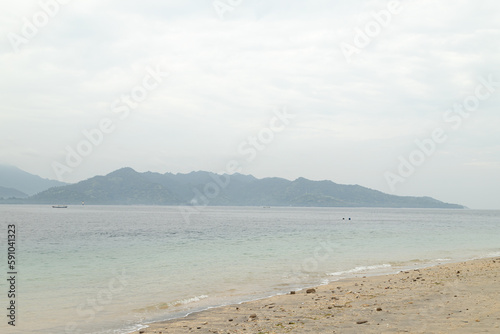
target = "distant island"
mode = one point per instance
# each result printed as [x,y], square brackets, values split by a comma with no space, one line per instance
[128,187]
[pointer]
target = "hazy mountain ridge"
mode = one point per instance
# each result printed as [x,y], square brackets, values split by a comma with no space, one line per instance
[11,193]
[126,186]
[24,182]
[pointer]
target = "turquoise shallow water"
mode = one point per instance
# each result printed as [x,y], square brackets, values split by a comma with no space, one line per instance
[112,269]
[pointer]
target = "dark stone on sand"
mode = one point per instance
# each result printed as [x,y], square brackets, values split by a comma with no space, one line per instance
[379,309]
[310,291]
[292,292]
[360,322]
[230,320]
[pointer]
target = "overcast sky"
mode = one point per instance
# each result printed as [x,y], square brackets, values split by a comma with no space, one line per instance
[183,85]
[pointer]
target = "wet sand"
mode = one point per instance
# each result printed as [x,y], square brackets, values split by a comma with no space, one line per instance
[453,298]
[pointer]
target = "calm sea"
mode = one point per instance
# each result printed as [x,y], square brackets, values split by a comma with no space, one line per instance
[113,269]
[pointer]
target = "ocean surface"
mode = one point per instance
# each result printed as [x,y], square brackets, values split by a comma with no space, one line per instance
[114,269]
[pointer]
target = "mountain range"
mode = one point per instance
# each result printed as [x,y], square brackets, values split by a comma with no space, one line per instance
[128,187]
[11,193]
[15,182]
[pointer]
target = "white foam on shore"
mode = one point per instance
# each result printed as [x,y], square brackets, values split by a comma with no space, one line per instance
[177,303]
[493,254]
[360,269]
[188,300]
[442,260]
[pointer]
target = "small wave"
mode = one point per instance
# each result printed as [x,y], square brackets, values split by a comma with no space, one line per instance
[412,262]
[191,300]
[177,303]
[358,269]
[493,254]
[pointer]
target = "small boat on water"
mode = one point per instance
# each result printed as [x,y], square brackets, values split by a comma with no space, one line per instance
[59,206]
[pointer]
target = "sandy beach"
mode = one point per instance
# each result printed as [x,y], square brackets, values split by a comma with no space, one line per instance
[452,298]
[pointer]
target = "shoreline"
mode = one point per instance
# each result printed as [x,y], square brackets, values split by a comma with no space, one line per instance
[462,297]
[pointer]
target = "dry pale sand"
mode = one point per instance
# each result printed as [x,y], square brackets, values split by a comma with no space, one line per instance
[453,298]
